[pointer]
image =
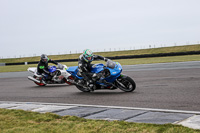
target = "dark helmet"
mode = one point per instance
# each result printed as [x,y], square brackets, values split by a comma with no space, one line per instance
[44,58]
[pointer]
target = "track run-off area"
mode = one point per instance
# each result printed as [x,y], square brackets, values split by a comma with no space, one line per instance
[173,86]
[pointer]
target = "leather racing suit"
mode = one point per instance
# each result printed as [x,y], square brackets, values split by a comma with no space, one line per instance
[43,67]
[85,67]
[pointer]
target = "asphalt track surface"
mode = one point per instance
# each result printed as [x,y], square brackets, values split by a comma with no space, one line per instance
[163,86]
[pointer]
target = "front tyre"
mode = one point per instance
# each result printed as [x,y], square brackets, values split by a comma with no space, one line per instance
[82,89]
[126,84]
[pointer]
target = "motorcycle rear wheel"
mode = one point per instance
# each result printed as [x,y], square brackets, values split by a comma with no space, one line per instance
[126,84]
[69,83]
[39,84]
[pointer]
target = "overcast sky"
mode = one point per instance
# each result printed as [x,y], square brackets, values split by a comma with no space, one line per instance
[33,27]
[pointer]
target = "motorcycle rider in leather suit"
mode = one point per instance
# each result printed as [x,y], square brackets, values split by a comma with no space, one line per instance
[84,65]
[42,67]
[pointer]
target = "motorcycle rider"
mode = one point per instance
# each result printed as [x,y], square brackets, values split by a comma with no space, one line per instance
[42,67]
[84,65]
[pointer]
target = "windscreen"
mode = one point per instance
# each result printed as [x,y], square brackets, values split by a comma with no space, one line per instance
[110,64]
[60,66]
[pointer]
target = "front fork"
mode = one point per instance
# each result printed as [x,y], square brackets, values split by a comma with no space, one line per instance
[120,78]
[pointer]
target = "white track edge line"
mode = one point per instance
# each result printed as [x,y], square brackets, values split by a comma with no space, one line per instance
[103,106]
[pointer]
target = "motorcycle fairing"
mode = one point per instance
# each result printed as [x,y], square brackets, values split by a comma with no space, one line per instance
[73,71]
[52,69]
[115,72]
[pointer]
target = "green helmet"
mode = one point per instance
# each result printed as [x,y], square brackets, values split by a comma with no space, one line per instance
[88,55]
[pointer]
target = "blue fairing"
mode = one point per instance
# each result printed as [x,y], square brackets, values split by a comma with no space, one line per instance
[73,71]
[97,68]
[52,69]
[115,71]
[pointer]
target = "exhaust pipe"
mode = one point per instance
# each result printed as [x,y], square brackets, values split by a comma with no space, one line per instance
[71,81]
[75,83]
[33,79]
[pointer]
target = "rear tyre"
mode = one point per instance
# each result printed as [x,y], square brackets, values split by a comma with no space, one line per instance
[69,83]
[126,84]
[39,84]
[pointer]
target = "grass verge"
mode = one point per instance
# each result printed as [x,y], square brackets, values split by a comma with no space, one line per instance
[26,121]
[185,48]
[122,61]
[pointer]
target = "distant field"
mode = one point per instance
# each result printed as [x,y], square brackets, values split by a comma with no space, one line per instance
[110,54]
[16,68]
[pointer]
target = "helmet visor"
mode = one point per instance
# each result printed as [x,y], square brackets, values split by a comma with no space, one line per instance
[45,60]
[89,58]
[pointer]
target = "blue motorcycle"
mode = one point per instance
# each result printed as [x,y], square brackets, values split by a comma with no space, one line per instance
[108,76]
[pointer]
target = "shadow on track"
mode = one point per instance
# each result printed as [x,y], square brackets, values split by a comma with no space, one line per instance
[51,86]
[96,93]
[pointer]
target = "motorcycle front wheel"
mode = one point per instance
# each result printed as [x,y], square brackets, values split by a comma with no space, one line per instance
[126,84]
[82,89]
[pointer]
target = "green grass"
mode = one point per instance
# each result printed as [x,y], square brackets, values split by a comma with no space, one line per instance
[122,61]
[14,121]
[110,54]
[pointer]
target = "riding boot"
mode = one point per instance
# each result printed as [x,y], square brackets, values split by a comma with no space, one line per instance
[89,81]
